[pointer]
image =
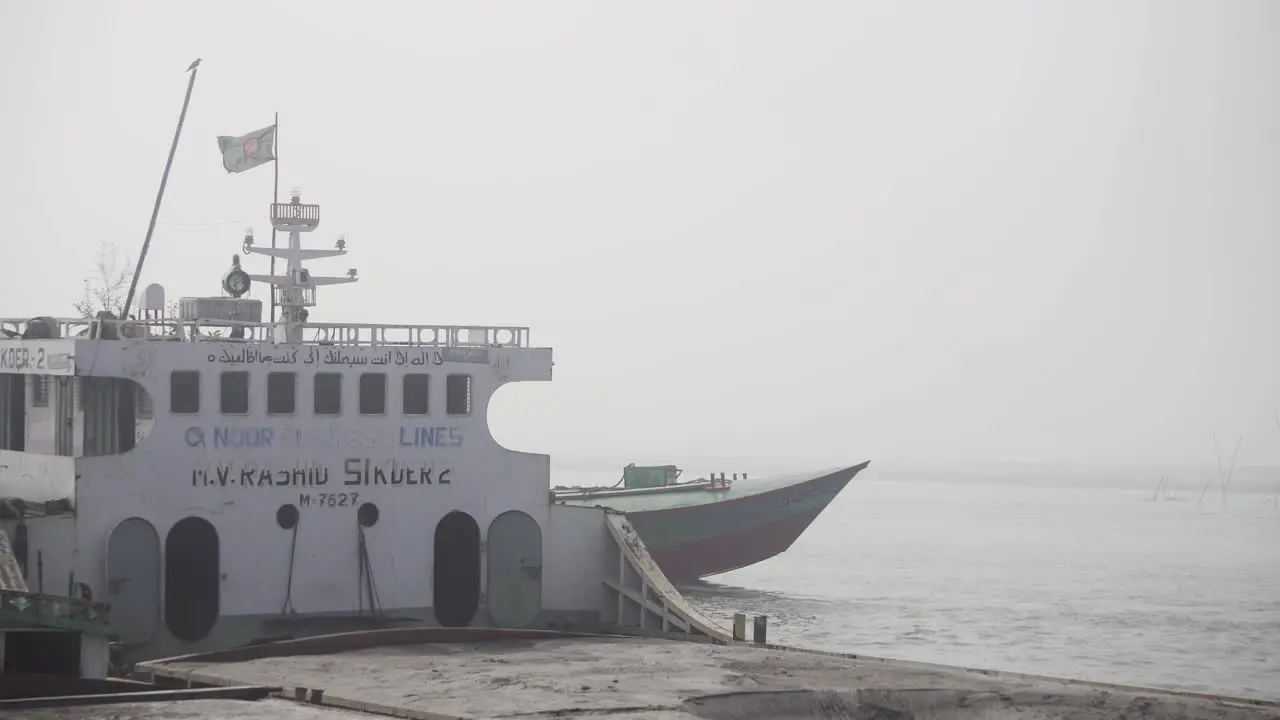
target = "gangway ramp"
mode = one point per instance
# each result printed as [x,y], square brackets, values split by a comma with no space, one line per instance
[646,602]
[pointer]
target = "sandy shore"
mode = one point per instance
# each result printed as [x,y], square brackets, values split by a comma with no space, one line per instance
[652,679]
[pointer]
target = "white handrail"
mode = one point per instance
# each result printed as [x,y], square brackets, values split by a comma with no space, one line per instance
[344,334]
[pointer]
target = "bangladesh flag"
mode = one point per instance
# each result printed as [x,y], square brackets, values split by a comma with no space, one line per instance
[248,151]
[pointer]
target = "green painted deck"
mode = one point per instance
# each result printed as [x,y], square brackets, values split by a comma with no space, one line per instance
[20,608]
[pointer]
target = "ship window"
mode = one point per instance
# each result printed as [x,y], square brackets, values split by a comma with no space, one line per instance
[146,408]
[457,395]
[13,413]
[415,393]
[373,394]
[39,391]
[282,393]
[328,391]
[235,392]
[184,392]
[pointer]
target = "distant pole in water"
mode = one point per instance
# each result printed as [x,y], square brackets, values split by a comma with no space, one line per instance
[1226,482]
[1217,455]
[164,180]
[275,198]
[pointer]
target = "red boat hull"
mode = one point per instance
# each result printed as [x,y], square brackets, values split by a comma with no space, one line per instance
[701,540]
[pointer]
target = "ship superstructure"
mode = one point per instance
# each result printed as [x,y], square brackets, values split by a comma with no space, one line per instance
[219,479]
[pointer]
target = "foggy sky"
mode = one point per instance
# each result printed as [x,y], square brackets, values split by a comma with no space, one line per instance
[808,231]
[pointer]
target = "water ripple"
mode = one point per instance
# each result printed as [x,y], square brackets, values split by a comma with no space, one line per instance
[1090,583]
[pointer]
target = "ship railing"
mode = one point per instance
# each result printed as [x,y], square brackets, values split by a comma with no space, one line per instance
[722,482]
[340,334]
[20,608]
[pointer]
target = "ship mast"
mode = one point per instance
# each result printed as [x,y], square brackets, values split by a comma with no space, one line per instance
[295,291]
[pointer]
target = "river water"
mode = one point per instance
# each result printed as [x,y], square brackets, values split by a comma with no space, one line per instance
[1066,576]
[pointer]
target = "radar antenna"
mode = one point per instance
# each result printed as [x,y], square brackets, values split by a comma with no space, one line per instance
[295,291]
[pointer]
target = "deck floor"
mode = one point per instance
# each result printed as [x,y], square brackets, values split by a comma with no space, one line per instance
[651,680]
[192,710]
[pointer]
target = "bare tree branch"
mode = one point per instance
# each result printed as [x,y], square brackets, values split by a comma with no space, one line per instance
[107,287]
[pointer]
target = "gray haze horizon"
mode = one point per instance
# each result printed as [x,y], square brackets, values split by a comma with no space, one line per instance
[794,235]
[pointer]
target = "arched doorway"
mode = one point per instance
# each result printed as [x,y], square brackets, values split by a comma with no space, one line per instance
[456,570]
[192,579]
[515,569]
[133,580]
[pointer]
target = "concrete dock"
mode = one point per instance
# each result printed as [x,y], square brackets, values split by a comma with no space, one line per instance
[271,709]
[444,674]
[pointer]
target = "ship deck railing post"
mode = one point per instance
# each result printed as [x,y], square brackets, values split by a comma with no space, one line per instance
[760,631]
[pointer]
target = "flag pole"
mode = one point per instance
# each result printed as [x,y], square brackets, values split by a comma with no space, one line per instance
[164,180]
[275,198]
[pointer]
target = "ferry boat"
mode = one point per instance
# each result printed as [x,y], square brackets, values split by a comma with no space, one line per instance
[209,480]
[707,526]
